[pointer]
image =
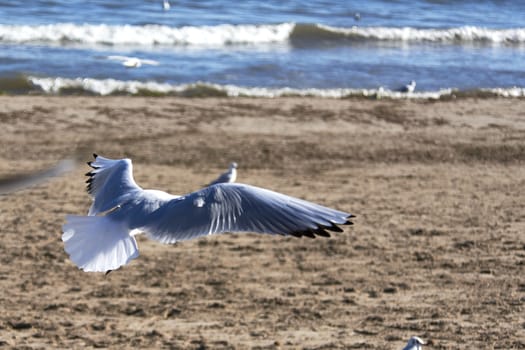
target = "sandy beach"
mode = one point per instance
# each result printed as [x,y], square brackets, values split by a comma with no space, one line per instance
[437,249]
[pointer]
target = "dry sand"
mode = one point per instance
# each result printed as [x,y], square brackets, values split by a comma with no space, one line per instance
[437,249]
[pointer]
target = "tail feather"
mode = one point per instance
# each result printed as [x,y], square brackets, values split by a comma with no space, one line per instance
[97,243]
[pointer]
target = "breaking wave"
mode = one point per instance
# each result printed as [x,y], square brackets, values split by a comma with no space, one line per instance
[202,89]
[467,34]
[227,34]
[104,34]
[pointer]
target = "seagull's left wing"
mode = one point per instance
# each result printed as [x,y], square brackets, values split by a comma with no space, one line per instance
[231,207]
[110,181]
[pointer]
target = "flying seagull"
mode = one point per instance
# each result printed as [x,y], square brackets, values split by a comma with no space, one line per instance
[132,62]
[20,181]
[228,176]
[414,343]
[104,239]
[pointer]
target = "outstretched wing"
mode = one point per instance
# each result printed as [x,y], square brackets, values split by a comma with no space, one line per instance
[109,183]
[231,207]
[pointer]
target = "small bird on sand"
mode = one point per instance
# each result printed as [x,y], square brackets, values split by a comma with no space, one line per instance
[228,176]
[409,87]
[104,239]
[414,343]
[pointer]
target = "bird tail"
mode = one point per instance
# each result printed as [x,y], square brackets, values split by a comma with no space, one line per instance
[97,243]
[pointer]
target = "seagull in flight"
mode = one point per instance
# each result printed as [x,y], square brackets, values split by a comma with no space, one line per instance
[414,343]
[104,240]
[20,181]
[227,177]
[132,62]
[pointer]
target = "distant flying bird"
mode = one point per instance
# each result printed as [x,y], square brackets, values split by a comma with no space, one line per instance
[20,181]
[132,62]
[414,343]
[229,176]
[104,240]
[409,87]
[166,5]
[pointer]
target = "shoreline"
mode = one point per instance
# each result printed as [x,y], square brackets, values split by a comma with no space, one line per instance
[32,85]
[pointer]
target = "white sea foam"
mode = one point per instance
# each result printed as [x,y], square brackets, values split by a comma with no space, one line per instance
[112,86]
[507,92]
[227,34]
[458,34]
[101,86]
[224,34]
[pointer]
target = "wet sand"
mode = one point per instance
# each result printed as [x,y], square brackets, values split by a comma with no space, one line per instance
[437,249]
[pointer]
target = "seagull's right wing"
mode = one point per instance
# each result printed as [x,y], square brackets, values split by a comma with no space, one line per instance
[109,183]
[232,207]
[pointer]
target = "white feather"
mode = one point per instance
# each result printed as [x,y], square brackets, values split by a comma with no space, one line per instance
[97,243]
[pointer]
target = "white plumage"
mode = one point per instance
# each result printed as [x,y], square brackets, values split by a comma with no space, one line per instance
[409,87]
[132,62]
[104,241]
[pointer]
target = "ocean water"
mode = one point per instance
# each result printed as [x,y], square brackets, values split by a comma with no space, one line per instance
[263,48]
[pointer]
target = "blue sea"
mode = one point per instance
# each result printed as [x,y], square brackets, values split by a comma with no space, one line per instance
[263,48]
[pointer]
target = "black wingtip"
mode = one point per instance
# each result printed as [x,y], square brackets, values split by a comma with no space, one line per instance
[321,232]
[91,165]
[333,228]
[95,155]
[309,234]
[91,176]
